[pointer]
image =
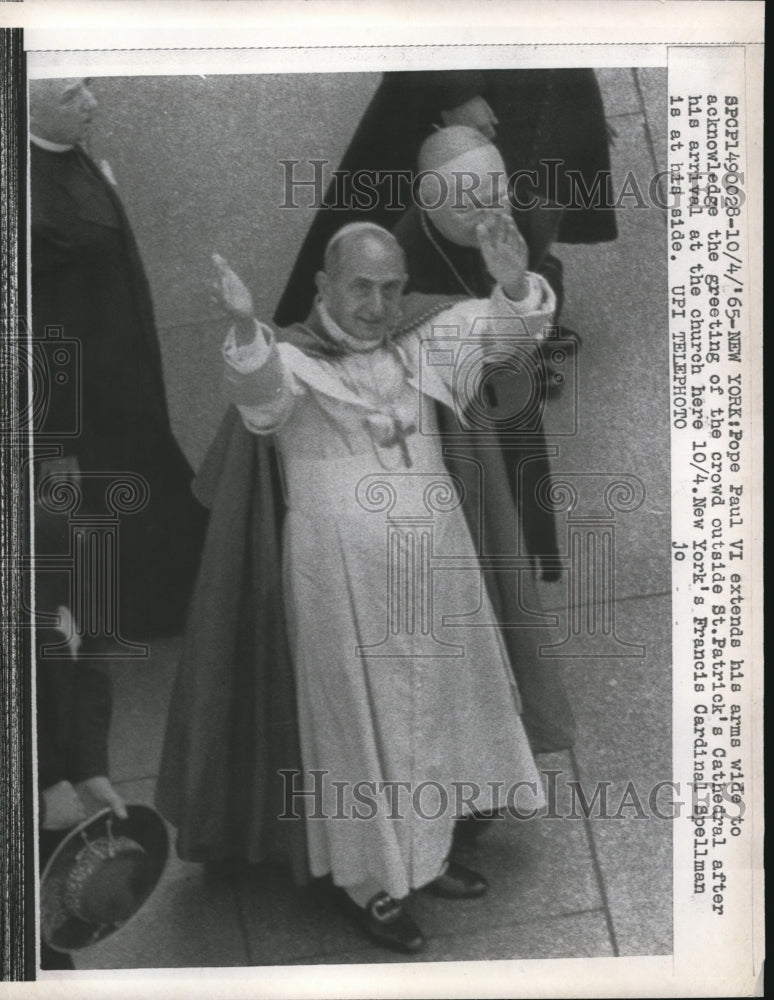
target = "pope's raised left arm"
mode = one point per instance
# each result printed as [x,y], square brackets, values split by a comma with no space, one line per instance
[516,314]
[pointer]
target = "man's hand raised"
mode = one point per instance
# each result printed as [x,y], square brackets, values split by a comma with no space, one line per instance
[504,251]
[230,292]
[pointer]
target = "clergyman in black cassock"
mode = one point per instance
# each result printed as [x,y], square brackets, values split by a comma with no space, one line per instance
[89,286]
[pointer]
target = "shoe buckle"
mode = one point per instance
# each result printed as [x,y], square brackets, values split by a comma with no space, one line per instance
[385,908]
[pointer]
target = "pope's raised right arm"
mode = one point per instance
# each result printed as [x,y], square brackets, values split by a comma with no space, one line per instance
[260,383]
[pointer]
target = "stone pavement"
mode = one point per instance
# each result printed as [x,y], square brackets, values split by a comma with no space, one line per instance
[561,887]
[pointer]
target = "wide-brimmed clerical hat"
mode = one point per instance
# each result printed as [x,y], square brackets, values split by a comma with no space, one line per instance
[100,876]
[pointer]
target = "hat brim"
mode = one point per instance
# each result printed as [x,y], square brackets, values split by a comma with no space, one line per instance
[64,931]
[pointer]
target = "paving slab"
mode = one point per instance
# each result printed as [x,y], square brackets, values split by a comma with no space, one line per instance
[623,705]
[635,859]
[141,690]
[652,82]
[575,936]
[615,295]
[536,868]
[619,91]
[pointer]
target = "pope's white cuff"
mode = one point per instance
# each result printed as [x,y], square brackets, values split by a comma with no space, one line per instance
[540,297]
[246,358]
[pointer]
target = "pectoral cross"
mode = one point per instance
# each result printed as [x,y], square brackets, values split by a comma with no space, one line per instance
[401,432]
[389,430]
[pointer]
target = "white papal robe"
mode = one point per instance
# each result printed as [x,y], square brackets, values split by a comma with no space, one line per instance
[403,711]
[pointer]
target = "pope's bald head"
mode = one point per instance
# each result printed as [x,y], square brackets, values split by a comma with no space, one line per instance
[360,240]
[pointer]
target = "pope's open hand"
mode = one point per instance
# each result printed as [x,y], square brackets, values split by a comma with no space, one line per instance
[504,252]
[230,291]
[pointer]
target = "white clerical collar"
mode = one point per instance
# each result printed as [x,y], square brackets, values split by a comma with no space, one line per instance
[340,336]
[52,147]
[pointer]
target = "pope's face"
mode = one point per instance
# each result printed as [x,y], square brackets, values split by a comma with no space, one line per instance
[363,292]
[61,110]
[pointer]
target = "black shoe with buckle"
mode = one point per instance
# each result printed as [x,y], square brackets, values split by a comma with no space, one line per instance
[387,923]
[458,882]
